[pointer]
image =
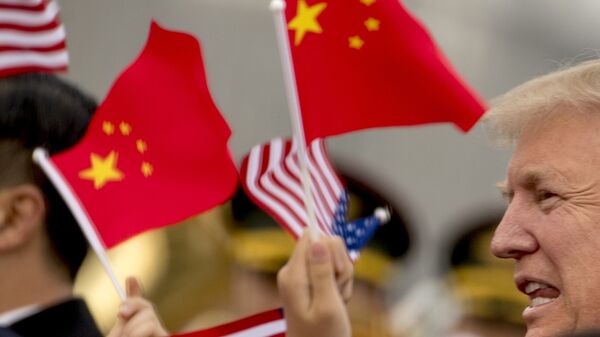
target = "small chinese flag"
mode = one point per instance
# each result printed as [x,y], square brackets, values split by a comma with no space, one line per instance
[156,150]
[368,63]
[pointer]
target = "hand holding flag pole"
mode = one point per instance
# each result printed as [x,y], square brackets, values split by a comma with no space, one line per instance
[278,8]
[40,157]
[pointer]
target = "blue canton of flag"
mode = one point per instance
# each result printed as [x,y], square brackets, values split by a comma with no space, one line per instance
[355,233]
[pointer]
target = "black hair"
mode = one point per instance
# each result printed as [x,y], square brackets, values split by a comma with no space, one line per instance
[42,110]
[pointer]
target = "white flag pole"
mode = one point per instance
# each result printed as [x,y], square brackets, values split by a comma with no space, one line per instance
[40,157]
[277,8]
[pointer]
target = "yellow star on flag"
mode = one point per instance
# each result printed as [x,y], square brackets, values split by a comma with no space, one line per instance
[372,24]
[125,128]
[108,128]
[102,170]
[355,42]
[147,169]
[141,146]
[306,20]
[368,2]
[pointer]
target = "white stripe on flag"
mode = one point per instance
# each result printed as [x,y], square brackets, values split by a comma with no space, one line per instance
[27,3]
[46,38]
[278,185]
[251,183]
[29,18]
[263,330]
[18,58]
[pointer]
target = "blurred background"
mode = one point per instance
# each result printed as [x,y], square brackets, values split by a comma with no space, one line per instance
[439,181]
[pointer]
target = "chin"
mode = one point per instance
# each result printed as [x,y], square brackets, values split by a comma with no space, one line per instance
[547,331]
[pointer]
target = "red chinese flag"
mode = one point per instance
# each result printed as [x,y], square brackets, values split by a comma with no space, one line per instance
[368,63]
[156,150]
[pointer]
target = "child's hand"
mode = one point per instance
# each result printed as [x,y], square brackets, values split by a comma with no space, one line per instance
[137,316]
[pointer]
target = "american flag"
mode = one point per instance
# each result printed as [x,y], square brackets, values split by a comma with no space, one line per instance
[267,324]
[270,175]
[32,38]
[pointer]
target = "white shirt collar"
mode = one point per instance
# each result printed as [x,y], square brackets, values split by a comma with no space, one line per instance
[10,317]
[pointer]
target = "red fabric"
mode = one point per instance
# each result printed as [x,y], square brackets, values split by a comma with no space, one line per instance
[242,327]
[398,77]
[164,99]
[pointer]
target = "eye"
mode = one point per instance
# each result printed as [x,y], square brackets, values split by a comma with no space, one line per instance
[547,200]
[545,195]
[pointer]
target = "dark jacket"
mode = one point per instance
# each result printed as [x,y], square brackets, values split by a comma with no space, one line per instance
[68,319]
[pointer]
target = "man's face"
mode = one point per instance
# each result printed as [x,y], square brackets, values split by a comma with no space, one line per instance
[552,225]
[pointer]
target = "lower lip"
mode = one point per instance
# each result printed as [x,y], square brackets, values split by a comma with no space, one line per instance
[530,312]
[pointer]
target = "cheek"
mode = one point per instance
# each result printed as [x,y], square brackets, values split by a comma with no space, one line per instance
[570,240]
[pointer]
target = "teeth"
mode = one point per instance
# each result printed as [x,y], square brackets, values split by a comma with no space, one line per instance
[540,300]
[533,286]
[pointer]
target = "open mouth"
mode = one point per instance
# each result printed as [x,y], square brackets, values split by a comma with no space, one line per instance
[539,293]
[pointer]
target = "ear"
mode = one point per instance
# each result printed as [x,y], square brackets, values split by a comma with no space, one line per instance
[22,211]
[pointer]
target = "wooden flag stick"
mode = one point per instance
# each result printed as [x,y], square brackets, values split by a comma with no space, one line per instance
[40,157]
[277,8]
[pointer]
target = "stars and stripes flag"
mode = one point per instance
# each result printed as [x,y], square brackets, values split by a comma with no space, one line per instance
[270,175]
[32,38]
[267,324]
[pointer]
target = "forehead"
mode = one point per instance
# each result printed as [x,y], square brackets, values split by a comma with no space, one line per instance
[566,145]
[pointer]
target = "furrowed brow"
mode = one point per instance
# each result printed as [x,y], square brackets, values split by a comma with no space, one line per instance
[504,190]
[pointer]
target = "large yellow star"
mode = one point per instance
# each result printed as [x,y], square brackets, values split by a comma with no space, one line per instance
[102,170]
[306,20]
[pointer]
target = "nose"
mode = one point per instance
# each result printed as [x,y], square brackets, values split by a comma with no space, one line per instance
[512,240]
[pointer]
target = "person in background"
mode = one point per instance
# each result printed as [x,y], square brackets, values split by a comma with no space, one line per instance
[40,242]
[482,284]
[41,245]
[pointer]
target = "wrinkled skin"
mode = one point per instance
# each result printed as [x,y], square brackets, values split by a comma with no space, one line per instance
[551,227]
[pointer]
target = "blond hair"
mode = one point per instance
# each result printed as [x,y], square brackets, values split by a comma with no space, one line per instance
[575,89]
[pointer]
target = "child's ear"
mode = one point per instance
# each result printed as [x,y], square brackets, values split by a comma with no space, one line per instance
[22,210]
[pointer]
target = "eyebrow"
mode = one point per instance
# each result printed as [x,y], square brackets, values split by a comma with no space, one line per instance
[530,178]
[503,188]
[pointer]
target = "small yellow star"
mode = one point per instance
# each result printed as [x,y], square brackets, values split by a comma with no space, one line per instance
[372,24]
[306,20]
[356,42]
[147,169]
[108,128]
[125,128]
[141,146]
[368,2]
[102,170]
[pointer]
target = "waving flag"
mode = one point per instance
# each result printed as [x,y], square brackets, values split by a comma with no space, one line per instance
[270,176]
[267,324]
[368,63]
[32,38]
[155,152]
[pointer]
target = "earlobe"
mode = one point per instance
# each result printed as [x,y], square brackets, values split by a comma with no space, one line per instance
[22,210]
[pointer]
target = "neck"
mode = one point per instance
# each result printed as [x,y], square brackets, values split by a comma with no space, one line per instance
[29,278]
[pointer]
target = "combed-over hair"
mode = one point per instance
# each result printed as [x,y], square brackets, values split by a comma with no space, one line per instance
[575,89]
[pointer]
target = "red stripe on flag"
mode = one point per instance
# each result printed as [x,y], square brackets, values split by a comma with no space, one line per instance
[244,326]
[61,45]
[272,180]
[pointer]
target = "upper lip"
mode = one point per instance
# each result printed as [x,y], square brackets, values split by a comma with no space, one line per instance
[522,280]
